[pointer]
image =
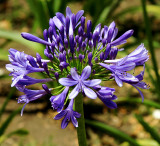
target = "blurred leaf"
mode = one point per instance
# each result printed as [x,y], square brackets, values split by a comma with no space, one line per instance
[4,55]
[20,132]
[152,9]
[149,142]
[59,6]
[9,120]
[107,11]
[12,91]
[15,36]
[40,12]
[112,131]
[139,100]
[148,128]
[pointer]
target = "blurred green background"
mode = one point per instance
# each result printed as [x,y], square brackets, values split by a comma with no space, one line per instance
[132,123]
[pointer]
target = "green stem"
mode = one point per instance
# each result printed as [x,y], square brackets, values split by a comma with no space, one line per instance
[150,43]
[81,132]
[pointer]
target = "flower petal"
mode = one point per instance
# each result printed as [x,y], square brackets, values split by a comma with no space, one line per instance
[118,81]
[74,121]
[139,92]
[67,82]
[92,83]
[86,73]
[89,93]
[110,104]
[74,74]
[60,115]
[74,92]
[76,114]
[64,123]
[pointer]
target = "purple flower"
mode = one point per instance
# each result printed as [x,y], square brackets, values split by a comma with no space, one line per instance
[58,100]
[26,81]
[20,66]
[30,95]
[119,71]
[81,83]
[140,84]
[139,56]
[68,115]
[105,94]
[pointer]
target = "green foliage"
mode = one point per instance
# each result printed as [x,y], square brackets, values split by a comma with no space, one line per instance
[112,131]
[148,128]
[139,100]
[5,124]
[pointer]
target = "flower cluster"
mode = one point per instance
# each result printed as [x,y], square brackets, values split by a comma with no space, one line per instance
[78,59]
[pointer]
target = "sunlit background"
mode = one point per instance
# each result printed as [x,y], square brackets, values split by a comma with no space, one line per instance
[133,121]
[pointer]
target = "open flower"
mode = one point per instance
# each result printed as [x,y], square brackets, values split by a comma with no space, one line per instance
[119,71]
[58,100]
[31,95]
[68,115]
[81,83]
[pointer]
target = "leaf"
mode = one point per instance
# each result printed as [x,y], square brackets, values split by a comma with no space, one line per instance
[148,128]
[152,9]
[12,91]
[112,131]
[20,132]
[15,36]
[139,100]
[40,12]
[8,120]
[4,55]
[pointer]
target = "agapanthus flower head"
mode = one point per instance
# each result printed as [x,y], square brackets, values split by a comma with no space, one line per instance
[78,60]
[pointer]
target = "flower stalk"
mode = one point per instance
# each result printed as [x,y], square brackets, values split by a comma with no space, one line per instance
[81,132]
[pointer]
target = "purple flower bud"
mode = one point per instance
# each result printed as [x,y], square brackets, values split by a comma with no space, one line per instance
[80,42]
[67,25]
[50,56]
[51,23]
[122,38]
[44,86]
[107,51]
[66,43]
[104,42]
[33,38]
[52,47]
[71,41]
[90,44]
[83,45]
[63,65]
[61,48]
[89,57]
[50,33]
[89,27]
[80,31]
[76,38]
[83,22]
[95,38]
[61,57]
[96,59]
[46,53]
[45,34]
[113,53]
[38,57]
[73,19]
[111,29]
[62,32]
[56,74]
[101,56]
[32,61]
[80,57]
[77,49]
[45,66]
